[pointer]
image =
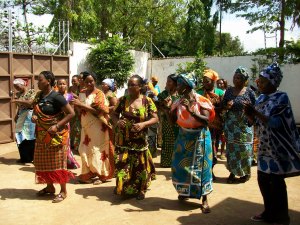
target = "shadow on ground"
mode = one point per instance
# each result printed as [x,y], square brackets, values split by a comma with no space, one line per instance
[238,212]
[23,194]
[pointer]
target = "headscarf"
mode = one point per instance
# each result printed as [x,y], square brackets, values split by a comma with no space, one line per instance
[154,78]
[273,74]
[243,71]
[211,74]
[109,82]
[20,82]
[189,79]
[173,77]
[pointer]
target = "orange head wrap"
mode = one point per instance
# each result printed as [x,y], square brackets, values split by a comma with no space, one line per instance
[211,74]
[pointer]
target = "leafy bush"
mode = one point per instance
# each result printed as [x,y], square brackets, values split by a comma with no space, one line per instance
[111,59]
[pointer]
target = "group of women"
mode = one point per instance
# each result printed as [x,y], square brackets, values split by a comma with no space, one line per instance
[114,135]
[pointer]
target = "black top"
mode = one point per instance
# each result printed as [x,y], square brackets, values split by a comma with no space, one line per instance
[52,104]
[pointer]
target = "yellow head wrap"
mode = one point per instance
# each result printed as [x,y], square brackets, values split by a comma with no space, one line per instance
[211,74]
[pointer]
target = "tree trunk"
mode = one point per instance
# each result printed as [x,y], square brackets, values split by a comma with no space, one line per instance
[24,6]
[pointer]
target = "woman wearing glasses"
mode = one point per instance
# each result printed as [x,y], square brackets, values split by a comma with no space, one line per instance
[239,136]
[133,114]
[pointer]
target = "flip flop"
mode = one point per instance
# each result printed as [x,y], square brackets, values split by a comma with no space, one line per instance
[257,218]
[45,192]
[60,197]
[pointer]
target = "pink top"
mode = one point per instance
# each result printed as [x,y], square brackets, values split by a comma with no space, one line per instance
[185,119]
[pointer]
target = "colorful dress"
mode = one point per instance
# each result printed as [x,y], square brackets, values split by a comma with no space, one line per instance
[134,165]
[25,128]
[96,157]
[50,156]
[239,136]
[169,133]
[192,158]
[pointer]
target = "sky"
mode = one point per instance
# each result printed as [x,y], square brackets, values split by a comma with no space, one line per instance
[236,26]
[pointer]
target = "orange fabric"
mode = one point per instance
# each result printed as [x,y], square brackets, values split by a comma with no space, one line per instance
[211,74]
[185,119]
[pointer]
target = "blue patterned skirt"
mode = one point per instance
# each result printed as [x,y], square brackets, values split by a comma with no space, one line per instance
[192,163]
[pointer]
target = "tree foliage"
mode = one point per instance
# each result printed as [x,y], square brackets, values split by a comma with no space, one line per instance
[111,59]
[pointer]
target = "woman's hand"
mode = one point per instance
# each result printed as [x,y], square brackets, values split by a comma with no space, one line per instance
[53,129]
[249,109]
[137,127]
[167,102]
[121,124]
[186,103]
[76,102]
[34,118]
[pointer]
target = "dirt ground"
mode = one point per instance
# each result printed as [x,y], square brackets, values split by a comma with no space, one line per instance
[231,204]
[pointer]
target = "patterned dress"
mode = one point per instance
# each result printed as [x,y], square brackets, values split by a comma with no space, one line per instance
[25,128]
[134,165]
[279,141]
[192,158]
[96,157]
[169,134]
[239,136]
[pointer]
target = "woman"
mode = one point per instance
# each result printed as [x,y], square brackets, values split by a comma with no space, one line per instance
[107,86]
[215,96]
[134,113]
[279,145]
[192,157]
[97,159]
[169,130]
[222,84]
[238,134]
[51,114]
[25,129]
[62,89]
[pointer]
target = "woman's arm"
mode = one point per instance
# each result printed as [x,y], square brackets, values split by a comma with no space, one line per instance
[26,103]
[140,126]
[69,114]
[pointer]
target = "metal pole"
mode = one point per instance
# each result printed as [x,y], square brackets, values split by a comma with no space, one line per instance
[151,54]
[9,31]
[63,31]
[68,37]
[59,35]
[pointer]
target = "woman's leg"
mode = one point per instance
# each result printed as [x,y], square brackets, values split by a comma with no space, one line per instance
[205,207]
[264,183]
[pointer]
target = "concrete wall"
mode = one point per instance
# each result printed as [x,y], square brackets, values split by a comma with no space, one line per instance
[225,66]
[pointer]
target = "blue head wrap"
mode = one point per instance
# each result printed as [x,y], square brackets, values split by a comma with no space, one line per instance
[273,74]
[189,79]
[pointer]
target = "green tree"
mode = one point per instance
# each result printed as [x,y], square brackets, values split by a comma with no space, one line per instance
[197,67]
[268,15]
[111,59]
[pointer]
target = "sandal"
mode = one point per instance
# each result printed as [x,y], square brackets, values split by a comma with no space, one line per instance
[98,182]
[231,179]
[45,192]
[60,197]
[140,196]
[257,218]
[205,209]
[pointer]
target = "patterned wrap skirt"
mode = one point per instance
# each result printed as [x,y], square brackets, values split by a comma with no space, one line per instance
[192,163]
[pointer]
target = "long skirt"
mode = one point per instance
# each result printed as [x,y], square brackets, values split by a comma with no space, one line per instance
[192,163]
[134,171]
[239,139]
[168,140]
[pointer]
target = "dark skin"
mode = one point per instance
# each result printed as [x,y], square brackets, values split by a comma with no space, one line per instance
[113,100]
[134,91]
[265,87]
[45,86]
[187,100]
[238,89]
[27,103]
[90,85]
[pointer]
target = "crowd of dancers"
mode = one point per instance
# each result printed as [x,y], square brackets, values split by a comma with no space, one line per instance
[118,137]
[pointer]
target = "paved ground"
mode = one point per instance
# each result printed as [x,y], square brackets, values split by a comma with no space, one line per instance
[232,204]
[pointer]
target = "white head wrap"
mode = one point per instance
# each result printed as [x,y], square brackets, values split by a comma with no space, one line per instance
[19,81]
[109,82]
